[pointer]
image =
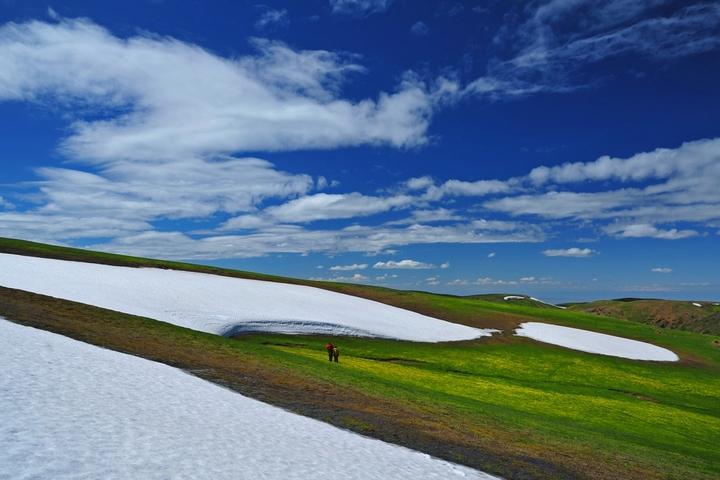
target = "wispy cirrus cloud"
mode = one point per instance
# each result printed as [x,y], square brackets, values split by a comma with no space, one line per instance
[547,46]
[419,28]
[5,204]
[359,7]
[661,270]
[272,18]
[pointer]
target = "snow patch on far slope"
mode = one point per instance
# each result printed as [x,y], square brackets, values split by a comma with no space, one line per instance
[217,304]
[71,410]
[546,303]
[593,342]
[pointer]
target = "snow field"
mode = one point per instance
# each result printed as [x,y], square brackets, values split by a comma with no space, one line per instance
[546,303]
[593,342]
[71,410]
[223,305]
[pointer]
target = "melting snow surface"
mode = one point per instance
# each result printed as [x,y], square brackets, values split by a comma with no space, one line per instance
[546,303]
[593,342]
[223,305]
[71,410]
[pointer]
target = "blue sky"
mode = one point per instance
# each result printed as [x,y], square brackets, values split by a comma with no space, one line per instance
[568,149]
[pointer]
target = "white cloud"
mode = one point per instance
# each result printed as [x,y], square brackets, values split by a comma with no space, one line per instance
[153,117]
[321,206]
[428,216]
[686,160]
[384,277]
[648,230]
[163,98]
[125,197]
[432,281]
[491,255]
[171,110]
[272,18]
[460,188]
[404,264]
[458,282]
[569,252]
[358,277]
[445,265]
[491,281]
[419,183]
[59,228]
[564,204]
[346,268]
[419,28]
[4,204]
[363,7]
[296,239]
[677,185]
[186,188]
[661,270]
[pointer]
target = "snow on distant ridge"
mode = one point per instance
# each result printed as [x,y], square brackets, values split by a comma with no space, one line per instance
[71,410]
[697,304]
[593,342]
[546,303]
[513,297]
[223,305]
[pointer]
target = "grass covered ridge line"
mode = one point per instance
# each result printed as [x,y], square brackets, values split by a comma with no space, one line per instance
[508,406]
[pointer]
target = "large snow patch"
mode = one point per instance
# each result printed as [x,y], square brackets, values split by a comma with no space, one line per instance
[593,342]
[223,305]
[71,410]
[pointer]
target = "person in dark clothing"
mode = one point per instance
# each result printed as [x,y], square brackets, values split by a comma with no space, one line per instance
[330,347]
[336,354]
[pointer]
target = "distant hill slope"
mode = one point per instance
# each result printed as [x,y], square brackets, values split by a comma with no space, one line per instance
[515,299]
[682,315]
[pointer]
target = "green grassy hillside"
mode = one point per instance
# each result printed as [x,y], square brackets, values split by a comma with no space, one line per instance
[682,315]
[507,405]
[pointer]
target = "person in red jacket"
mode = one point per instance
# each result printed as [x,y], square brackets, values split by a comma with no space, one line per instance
[330,347]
